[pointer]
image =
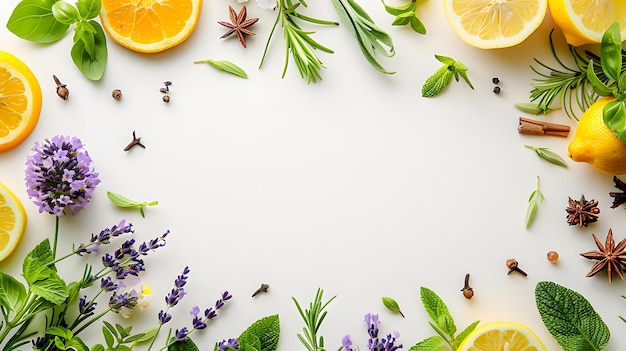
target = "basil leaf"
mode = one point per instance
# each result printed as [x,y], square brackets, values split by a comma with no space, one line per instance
[570,318]
[91,66]
[225,66]
[88,9]
[12,292]
[611,52]
[417,25]
[614,115]
[65,13]
[596,83]
[33,20]
[392,305]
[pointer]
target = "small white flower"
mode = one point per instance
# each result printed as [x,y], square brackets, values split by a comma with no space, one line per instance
[266,4]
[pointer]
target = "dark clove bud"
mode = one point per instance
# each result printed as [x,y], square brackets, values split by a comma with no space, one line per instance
[262,288]
[135,142]
[62,90]
[117,94]
[468,292]
[512,265]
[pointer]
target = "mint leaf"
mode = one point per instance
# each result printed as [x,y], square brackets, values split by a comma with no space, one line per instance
[12,292]
[437,310]
[266,330]
[186,345]
[459,339]
[433,343]
[33,20]
[436,83]
[570,318]
[52,288]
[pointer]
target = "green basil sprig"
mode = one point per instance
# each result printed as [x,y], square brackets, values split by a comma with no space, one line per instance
[614,112]
[47,21]
[406,14]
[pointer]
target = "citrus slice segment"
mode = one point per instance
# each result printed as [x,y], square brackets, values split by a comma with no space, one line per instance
[12,221]
[499,336]
[149,26]
[20,101]
[585,21]
[489,24]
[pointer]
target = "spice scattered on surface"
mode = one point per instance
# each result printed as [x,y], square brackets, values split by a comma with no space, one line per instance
[135,142]
[609,257]
[529,126]
[468,292]
[582,212]
[618,198]
[117,94]
[495,80]
[62,90]
[166,90]
[238,24]
[496,90]
[166,98]
[512,265]
[553,256]
[263,288]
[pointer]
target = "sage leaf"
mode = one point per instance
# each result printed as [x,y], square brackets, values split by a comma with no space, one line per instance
[536,197]
[548,155]
[91,62]
[124,202]
[225,66]
[392,305]
[371,38]
[33,20]
[570,318]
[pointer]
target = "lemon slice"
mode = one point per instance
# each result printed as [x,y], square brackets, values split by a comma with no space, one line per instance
[585,21]
[20,101]
[12,221]
[489,24]
[502,336]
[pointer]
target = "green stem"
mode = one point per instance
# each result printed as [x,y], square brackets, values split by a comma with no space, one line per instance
[92,320]
[56,236]
[17,320]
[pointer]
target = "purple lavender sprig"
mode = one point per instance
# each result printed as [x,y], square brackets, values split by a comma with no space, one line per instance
[374,343]
[59,175]
[199,323]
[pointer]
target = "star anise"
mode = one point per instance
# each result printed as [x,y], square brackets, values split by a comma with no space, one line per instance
[239,24]
[609,257]
[618,198]
[582,212]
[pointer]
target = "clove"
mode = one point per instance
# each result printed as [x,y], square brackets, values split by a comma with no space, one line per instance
[468,292]
[262,288]
[62,90]
[135,142]
[512,265]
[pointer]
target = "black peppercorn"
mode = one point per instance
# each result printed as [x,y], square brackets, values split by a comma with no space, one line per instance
[495,80]
[496,90]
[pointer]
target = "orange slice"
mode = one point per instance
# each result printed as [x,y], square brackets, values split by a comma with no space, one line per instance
[12,221]
[20,101]
[149,25]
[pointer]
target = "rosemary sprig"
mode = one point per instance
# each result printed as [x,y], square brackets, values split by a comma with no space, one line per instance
[298,42]
[313,318]
[569,84]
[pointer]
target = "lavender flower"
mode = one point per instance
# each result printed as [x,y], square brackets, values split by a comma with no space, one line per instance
[197,321]
[104,237]
[372,322]
[347,343]
[107,284]
[177,293]
[181,335]
[86,307]
[164,317]
[59,176]
[127,299]
[374,343]
[230,344]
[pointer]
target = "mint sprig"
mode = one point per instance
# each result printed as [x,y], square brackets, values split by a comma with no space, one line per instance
[47,21]
[437,82]
[406,14]
[443,324]
[570,318]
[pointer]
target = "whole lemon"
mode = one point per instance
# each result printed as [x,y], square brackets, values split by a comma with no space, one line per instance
[596,144]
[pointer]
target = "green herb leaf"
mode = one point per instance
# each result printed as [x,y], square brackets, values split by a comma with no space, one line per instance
[65,13]
[392,305]
[437,82]
[371,38]
[548,155]
[88,9]
[614,116]
[225,66]
[437,310]
[124,202]
[459,339]
[33,20]
[570,318]
[406,14]
[90,61]
[266,330]
[313,318]
[611,52]
[186,345]
[12,293]
[532,108]
[536,197]
[599,86]
[433,343]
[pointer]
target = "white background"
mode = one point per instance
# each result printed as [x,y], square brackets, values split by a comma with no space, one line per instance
[356,184]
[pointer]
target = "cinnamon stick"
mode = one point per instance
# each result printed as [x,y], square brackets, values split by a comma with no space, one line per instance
[533,127]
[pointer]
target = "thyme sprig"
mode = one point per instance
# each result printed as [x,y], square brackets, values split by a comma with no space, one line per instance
[570,85]
[298,42]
